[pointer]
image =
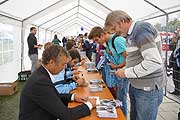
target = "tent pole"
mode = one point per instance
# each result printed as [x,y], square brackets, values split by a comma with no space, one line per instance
[92,13]
[57,16]
[90,19]
[10,17]
[62,20]
[22,45]
[3,2]
[38,33]
[46,36]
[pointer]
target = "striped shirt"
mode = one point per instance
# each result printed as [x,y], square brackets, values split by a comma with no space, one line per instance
[144,66]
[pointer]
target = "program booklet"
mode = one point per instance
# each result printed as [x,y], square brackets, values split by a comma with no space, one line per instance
[107,108]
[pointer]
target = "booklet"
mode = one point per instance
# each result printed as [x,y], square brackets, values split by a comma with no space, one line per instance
[95,88]
[107,108]
[106,111]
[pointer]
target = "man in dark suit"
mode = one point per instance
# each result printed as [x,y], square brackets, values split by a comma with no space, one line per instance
[39,98]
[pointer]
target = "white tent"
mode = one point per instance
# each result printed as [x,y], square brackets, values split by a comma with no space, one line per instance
[62,17]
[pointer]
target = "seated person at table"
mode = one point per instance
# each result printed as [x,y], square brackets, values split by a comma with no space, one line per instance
[40,100]
[68,79]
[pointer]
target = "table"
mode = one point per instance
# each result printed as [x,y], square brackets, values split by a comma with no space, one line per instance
[105,94]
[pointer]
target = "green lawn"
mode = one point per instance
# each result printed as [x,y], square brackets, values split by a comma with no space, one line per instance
[9,105]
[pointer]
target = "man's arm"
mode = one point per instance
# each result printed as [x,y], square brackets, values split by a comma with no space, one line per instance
[65,88]
[46,98]
[152,61]
[120,65]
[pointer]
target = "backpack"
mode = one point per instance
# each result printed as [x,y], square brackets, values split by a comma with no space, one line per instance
[113,45]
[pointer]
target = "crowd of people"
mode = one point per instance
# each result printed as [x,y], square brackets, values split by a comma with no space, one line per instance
[174,61]
[129,55]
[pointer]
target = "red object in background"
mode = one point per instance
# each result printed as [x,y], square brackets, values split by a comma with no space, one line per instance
[164,47]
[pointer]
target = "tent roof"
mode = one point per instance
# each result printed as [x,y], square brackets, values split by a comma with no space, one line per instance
[53,15]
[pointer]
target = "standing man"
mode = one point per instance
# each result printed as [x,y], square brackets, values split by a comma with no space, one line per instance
[144,66]
[116,46]
[87,47]
[33,48]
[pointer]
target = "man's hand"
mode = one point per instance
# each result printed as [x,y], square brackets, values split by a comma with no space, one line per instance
[40,46]
[75,77]
[113,66]
[80,98]
[83,61]
[101,53]
[75,67]
[92,101]
[120,73]
[80,81]
[75,72]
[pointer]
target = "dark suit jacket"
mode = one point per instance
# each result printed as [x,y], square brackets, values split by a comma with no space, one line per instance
[40,101]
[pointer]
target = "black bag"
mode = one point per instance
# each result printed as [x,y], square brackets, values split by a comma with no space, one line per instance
[113,45]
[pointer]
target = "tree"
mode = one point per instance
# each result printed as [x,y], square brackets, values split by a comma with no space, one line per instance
[172,26]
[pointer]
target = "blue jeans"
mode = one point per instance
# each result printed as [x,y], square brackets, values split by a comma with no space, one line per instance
[122,89]
[144,104]
[34,59]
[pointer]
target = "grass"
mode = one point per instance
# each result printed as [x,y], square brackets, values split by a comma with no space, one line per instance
[9,105]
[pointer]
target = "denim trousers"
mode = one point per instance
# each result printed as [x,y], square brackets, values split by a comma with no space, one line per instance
[34,59]
[122,89]
[144,104]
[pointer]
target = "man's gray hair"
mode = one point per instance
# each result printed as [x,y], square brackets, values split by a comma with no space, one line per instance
[117,16]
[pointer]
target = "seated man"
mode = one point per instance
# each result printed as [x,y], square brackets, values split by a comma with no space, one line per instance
[64,82]
[40,100]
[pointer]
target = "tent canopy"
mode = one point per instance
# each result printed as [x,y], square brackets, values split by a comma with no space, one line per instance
[53,15]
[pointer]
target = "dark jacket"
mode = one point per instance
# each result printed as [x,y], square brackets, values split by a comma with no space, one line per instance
[31,42]
[40,101]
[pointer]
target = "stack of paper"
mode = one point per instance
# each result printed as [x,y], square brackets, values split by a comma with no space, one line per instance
[95,82]
[106,111]
[95,88]
[107,108]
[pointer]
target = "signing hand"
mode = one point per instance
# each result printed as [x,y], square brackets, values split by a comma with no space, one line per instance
[80,98]
[80,81]
[75,67]
[92,101]
[83,61]
[74,72]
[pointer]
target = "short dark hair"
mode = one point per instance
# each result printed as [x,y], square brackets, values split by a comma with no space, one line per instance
[86,34]
[95,32]
[74,54]
[55,36]
[69,45]
[53,52]
[48,44]
[32,28]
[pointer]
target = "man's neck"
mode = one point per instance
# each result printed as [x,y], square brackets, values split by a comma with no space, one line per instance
[128,26]
[108,38]
[48,68]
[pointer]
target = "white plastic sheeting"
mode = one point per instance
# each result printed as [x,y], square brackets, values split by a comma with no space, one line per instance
[12,64]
